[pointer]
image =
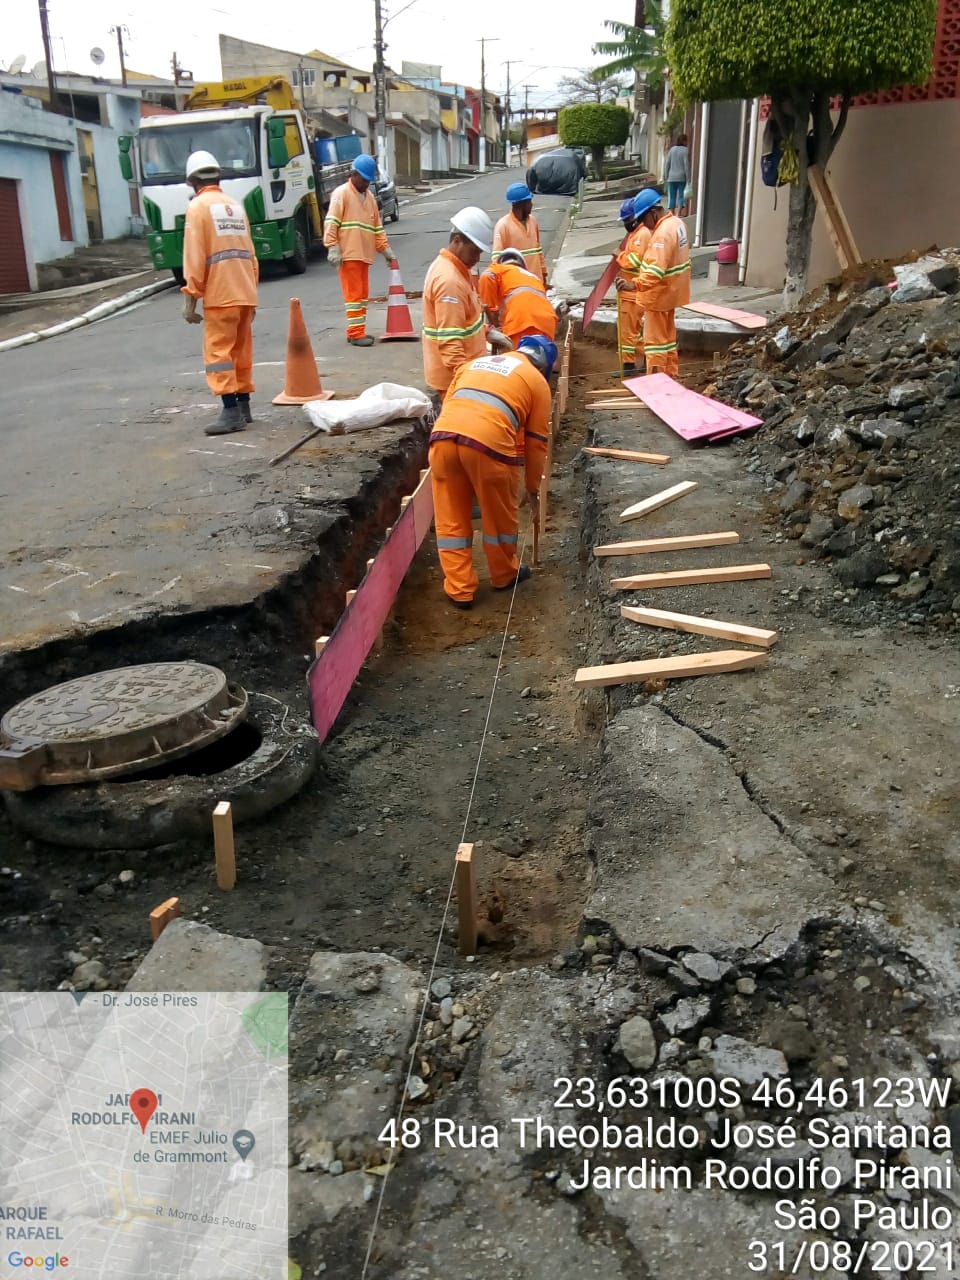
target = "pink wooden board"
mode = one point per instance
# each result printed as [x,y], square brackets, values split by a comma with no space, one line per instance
[745,319]
[331,676]
[600,290]
[690,415]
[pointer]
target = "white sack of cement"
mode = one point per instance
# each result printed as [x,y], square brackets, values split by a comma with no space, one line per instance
[385,402]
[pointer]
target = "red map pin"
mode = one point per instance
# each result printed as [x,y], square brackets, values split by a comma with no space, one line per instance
[143,1103]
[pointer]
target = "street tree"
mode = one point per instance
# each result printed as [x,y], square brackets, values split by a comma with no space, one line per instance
[589,85]
[802,55]
[595,125]
[638,49]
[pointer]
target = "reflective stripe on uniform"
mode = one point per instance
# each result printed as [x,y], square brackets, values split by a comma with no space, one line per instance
[224,254]
[453,335]
[523,288]
[454,544]
[493,539]
[222,366]
[487,397]
[654,350]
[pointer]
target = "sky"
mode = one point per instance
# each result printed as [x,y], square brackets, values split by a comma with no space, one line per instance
[544,41]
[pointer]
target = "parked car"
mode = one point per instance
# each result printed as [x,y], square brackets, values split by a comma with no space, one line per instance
[387,201]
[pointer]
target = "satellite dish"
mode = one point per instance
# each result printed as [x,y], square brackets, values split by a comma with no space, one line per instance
[97,56]
[16,66]
[39,71]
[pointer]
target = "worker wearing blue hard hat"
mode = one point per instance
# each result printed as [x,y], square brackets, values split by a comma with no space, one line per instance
[662,280]
[626,214]
[353,235]
[630,313]
[519,229]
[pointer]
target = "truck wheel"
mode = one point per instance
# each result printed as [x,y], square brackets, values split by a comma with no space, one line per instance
[395,216]
[177,273]
[297,264]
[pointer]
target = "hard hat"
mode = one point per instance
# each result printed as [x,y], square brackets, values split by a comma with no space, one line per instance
[475,225]
[517,192]
[201,164]
[645,201]
[366,166]
[512,255]
[626,210]
[540,351]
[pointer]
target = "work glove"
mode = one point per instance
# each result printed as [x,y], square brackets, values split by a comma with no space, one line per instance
[626,286]
[388,255]
[499,341]
[531,499]
[190,310]
[334,256]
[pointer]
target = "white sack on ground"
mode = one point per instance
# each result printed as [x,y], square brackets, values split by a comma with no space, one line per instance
[372,408]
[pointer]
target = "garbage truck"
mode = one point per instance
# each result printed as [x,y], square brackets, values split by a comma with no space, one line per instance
[269,163]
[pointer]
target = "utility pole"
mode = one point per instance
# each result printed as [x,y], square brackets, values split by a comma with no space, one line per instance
[118,31]
[526,111]
[380,92]
[176,69]
[52,94]
[484,41]
[508,65]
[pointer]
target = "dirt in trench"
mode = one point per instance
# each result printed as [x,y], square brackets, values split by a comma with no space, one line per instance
[361,860]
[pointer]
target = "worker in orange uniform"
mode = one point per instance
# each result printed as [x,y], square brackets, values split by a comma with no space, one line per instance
[515,299]
[663,281]
[353,235]
[453,330]
[629,261]
[495,419]
[220,266]
[519,229]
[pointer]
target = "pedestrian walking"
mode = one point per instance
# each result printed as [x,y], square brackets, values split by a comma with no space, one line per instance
[629,262]
[453,330]
[676,175]
[354,235]
[220,267]
[519,229]
[663,281]
[495,420]
[515,300]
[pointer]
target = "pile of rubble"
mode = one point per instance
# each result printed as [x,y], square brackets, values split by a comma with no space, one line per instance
[859,391]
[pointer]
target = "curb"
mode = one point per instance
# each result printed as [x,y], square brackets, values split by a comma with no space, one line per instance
[99,312]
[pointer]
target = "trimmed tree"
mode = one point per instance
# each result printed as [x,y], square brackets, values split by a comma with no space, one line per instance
[595,125]
[800,54]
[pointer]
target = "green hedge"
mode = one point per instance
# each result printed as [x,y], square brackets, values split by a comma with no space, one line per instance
[594,124]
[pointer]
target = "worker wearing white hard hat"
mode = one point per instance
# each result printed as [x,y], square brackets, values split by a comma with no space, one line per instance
[220,266]
[453,331]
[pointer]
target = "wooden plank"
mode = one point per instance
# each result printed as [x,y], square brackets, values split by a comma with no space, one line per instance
[700,626]
[628,455]
[658,500]
[600,289]
[678,668]
[223,845]
[691,416]
[466,888]
[745,319]
[690,577]
[845,247]
[161,916]
[685,543]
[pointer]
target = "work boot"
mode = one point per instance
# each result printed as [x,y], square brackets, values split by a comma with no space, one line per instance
[365,341]
[629,370]
[523,573]
[245,410]
[231,419]
[460,604]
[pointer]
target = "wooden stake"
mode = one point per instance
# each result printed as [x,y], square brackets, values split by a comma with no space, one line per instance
[319,645]
[685,543]
[161,916]
[466,885]
[700,626]
[536,540]
[628,455]
[223,845]
[349,598]
[838,229]
[658,500]
[405,502]
[690,577]
[378,643]
[698,664]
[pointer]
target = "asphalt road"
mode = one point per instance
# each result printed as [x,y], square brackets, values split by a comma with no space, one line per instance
[113,501]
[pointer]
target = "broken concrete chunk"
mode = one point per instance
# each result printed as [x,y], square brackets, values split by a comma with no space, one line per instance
[686,1015]
[638,1043]
[818,530]
[912,589]
[906,394]
[745,1062]
[782,344]
[806,431]
[193,957]
[863,567]
[795,496]
[704,967]
[855,501]
[925,278]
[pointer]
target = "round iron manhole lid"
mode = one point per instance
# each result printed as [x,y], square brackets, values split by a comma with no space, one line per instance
[115,722]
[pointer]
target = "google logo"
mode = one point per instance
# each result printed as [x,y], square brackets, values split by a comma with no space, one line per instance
[49,1263]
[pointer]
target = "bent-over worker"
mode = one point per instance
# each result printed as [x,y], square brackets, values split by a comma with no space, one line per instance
[663,281]
[354,235]
[495,419]
[629,262]
[220,266]
[519,229]
[515,300]
[453,330]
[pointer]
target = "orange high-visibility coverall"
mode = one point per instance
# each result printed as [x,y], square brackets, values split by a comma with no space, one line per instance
[453,330]
[520,299]
[664,285]
[220,266]
[511,233]
[629,260]
[495,419]
[353,224]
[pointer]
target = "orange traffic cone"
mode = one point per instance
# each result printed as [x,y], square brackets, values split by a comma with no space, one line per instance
[302,382]
[399,322]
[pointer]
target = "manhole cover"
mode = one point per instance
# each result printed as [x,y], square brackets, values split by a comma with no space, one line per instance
[116,722]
